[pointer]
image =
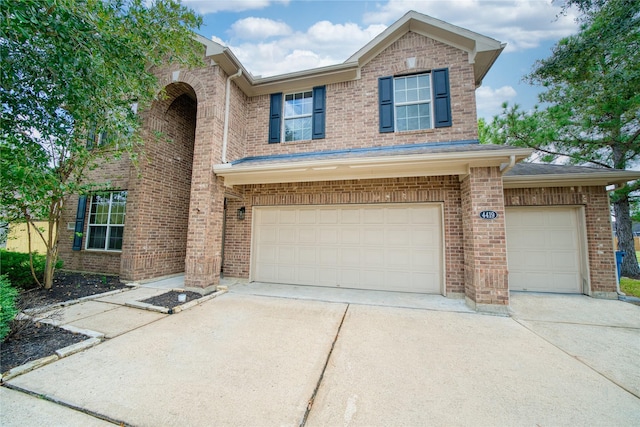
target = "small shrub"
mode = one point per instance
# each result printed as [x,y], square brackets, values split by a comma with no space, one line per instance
[8,309]
[34,305]
[16,266]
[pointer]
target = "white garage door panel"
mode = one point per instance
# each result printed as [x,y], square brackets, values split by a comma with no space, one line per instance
[391,247]
[543,249]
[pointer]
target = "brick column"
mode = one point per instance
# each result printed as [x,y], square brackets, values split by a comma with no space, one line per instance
[485,249]
[206,207]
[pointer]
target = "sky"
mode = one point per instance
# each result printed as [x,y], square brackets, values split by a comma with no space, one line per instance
[272,37]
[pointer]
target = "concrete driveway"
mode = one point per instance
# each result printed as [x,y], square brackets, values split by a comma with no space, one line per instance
[243,359]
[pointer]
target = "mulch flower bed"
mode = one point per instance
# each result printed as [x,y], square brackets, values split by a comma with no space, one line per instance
[34,340]
[69,286]
[170,299]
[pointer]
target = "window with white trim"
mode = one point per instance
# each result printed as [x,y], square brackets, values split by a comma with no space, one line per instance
[413,106]
[106,221]
[298,109]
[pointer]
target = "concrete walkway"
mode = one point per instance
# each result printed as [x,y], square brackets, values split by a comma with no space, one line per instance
[249,359]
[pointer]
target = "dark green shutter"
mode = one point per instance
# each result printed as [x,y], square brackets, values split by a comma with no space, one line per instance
[385,102]
[79,229]
[318,120]
[91,137]
[104,138]
[442,98]
[275,114]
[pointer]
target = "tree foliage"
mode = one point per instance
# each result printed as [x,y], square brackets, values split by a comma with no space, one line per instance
[72,70]
[590,106]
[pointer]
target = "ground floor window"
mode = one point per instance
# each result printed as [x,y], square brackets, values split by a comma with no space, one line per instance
[106,221]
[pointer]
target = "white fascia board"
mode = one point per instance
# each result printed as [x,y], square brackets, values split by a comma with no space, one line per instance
[437,164]
[570,180]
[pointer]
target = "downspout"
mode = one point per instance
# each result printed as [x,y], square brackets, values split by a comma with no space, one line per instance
[227,101]
[621,295]
[505,167]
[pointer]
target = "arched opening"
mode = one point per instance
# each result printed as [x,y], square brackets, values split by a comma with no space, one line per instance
[159,199]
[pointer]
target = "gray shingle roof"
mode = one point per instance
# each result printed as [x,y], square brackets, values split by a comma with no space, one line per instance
[394,150]
[535,174]
[526,169]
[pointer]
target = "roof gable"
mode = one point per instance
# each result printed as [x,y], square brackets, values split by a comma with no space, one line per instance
[482,50]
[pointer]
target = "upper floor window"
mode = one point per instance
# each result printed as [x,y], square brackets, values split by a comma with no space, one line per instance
[297,116]
[106,221]
[412,96]
[414,102]
[298,108]
[96,138]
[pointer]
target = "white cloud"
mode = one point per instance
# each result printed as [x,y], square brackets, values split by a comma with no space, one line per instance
[258,28]
[212,6]
[324,43]
[522,24]
[218,40]
[268,47]
[489,101]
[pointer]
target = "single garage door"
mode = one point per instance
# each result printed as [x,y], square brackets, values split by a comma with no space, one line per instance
[395,247]
[544,249]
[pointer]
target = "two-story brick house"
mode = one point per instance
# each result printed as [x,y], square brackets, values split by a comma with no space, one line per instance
[367,175]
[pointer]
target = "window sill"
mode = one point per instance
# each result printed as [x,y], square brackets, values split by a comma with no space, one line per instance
[102,251]
[415,132]
[303,141]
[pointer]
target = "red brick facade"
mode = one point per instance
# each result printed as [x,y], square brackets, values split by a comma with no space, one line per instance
[352,109]
[177,208]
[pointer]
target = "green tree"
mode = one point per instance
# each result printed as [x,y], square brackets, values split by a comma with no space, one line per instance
[72,70]
[590,111]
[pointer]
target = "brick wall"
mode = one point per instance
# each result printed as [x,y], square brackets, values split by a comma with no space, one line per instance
[595,200]
[445,189]
[236,247]
[352,107]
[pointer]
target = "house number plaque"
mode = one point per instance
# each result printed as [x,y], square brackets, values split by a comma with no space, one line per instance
[488,214]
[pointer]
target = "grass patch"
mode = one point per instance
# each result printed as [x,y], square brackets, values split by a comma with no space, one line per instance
[630,286]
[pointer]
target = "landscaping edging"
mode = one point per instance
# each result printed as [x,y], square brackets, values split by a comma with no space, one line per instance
[176,309]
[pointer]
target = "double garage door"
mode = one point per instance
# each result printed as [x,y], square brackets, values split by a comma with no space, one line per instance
[544,249]
[381,247]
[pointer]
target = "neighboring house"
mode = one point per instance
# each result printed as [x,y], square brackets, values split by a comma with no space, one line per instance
[366,174]
[18,240]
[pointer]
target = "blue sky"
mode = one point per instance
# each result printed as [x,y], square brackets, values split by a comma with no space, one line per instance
[274,37]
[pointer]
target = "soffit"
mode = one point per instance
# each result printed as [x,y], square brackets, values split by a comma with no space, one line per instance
[370,166]
[586,179]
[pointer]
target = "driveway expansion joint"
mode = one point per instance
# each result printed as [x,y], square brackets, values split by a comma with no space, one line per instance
[303,422]
[66,404]
[577,358]
[560,322]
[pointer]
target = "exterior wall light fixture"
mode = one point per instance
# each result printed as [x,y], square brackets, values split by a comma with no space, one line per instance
[240,213]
